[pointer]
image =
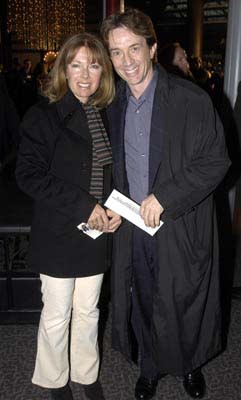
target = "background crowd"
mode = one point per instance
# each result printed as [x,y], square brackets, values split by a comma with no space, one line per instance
[22,86]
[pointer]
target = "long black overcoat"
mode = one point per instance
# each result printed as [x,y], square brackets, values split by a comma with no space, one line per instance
[54,168]
[187,160]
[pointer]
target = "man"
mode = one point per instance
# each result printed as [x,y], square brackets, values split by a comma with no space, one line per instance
[169,155]
[28,91]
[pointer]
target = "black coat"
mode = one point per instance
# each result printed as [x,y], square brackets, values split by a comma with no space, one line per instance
[9,123]
[187,136]
[237,144]
[54,168]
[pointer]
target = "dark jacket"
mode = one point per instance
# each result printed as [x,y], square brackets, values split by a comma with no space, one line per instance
[237,113]
[9,123]
[54,168]
[186,135]
[237,150]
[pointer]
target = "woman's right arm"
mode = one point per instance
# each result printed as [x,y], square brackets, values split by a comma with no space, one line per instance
[33,171]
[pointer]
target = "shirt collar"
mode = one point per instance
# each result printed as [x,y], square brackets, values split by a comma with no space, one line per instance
[148,92]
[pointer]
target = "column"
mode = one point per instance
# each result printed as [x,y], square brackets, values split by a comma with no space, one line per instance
[111,6]
[232,74]
[195,10]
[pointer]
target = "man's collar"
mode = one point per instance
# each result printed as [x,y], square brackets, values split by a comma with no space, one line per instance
[149,89]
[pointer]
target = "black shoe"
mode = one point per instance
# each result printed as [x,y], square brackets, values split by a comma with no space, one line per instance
[94,391]
[145,388]
[236,292]
[63,393]
[194,384]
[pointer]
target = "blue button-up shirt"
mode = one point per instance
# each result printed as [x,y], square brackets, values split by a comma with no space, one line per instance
[137,140]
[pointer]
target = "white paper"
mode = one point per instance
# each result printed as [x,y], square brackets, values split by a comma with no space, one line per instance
[93,233]
[129,210]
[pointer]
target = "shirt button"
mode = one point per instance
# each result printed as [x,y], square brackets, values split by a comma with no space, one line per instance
[143,155]
[141,133]
[138,111]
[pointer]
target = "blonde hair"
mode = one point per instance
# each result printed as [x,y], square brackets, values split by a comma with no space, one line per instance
[58,86]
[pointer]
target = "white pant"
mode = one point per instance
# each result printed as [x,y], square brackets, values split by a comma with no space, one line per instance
[60,297]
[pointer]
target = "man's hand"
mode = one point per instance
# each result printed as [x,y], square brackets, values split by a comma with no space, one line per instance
[114,221]
[98,219]
[151,211]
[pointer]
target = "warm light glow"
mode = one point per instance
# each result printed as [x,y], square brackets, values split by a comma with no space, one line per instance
[122,5]
[50,57]
[44,24]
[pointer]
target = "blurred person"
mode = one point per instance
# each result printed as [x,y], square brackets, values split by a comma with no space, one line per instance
[169,155]
[216,81]
[14,83]
[26,70]
[9,127]
[236,290]
[64,164]
[28,93]
[174,59]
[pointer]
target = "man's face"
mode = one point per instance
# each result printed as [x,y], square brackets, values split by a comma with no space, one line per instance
[27,64]
[131,58]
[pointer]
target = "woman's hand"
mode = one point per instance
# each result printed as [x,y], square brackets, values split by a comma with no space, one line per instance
[114,221]
[98,219]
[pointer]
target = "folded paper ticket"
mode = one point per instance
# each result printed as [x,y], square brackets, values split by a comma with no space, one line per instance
[93,233]
[129,210]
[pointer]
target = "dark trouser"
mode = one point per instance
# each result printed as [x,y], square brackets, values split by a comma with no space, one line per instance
[144,265]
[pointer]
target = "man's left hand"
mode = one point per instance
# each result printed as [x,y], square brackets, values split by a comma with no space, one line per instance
[151,211]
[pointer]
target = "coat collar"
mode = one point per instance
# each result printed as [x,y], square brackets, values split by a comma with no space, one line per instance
[72,115]
[159,125]
[162,88]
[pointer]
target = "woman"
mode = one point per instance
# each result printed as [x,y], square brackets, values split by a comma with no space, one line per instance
[174,59]
[64,164]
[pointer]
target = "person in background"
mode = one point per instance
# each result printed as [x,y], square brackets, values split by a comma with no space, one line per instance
[64,164]
[169,155]
[14,83]
[236,290]
[174,59]
[9,128]
[28,93]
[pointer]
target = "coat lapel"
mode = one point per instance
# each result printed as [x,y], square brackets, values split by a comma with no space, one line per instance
[116,114]
[159,126]
[158,134]
[73,116]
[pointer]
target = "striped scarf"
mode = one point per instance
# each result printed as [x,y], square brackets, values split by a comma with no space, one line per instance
[101,151]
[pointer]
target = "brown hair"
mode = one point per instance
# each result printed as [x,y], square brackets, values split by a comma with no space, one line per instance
[57,86]
[134,20]
[167,54]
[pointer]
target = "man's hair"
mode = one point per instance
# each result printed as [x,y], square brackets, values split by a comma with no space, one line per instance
[58,86]
[134,20]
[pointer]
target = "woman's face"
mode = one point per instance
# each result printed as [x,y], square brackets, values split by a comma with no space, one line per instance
[83,75]
[180,60]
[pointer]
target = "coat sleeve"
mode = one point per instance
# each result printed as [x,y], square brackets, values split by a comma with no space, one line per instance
[205,169]
[34,175]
